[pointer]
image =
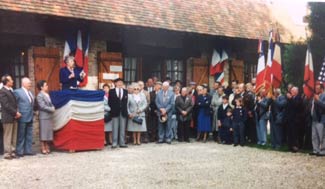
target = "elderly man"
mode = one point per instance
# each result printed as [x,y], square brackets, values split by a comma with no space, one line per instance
[149,85]
[9,114]
[278,109]
[249,105]
[117,101]
[25,101]
[294,113]
[318,121]
[165,102]
[184,106]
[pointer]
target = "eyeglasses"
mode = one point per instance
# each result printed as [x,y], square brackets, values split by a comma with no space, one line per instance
[136,89]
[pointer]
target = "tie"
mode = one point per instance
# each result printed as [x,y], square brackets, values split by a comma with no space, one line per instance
[120,94]
[30,97]
[164,99]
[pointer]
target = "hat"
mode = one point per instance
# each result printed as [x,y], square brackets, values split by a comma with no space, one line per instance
[118,79]
[163,118]
[158,83]
[192,83]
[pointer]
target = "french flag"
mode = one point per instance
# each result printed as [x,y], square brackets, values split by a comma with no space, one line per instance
[85,63]
[309,81]
[276,63]
[78,120]
[78,56]
[216,65]
[66,52]
[260,67]
[268,72]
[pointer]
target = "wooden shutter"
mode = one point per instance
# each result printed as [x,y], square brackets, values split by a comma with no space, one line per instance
[105,61]
[46,66]
[237,70]
[200,71]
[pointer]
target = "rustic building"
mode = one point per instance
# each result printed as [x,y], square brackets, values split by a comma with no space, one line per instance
[172,38]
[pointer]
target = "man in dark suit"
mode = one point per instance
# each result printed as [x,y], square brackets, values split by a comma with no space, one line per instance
[153,118]
[25,102]
[118,99]
[249,105]
[9,114]
[295,112]
[184,108]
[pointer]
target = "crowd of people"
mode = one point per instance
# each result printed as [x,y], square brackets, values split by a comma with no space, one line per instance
[162,112]
[233,114]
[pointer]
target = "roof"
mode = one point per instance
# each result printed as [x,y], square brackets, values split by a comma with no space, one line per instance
[250,19]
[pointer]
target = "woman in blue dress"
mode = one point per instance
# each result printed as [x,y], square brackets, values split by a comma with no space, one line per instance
[204,117]
[70,74]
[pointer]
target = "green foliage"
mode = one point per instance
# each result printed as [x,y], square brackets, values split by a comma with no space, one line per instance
[293,63]
[316,21]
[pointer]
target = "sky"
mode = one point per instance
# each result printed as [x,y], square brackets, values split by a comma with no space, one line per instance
[296,8]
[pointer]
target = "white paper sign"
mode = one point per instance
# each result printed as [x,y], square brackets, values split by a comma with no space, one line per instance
[115,69]
[110,76]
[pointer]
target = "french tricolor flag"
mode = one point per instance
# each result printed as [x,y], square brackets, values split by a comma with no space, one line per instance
[78,56]
[260,67]
[268,71]
[217,65]
[85,64]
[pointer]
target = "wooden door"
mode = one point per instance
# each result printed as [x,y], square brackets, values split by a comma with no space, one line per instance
[110,67]
[46,64]
[237,70]
[200,71]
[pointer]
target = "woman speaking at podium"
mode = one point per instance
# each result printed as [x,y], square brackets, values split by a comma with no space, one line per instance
[70,75]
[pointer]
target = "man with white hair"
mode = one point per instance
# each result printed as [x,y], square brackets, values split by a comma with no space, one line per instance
[165,103]
[294,115]
[25,101]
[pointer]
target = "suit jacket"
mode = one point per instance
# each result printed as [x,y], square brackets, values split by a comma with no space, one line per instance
[25,107]
[64,77]
[45,106]
[262,108]
[295,109]
[134,107]
[168,104]
[152,105]
[222,113]
[320,105]
[181,105]
[278,109]
[118,105]
[8,105]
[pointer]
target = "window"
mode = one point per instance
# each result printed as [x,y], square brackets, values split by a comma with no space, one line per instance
[18,69]
[175,69]
[129,70]
[250,72]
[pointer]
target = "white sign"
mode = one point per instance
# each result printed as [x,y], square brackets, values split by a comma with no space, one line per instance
[115,69]
[110,76]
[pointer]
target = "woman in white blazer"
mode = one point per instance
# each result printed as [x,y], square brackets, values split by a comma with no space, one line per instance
[137,104]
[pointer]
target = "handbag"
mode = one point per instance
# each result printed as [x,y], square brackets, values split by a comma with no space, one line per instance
[137,120]
[107,117]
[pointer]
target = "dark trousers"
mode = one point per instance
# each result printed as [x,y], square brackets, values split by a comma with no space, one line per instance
[239,133]
[183,131]
[152,127]
[225,135]
[292,135]
[251,130]
[1,138]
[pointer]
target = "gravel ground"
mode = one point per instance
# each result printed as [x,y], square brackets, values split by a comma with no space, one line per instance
[180,165]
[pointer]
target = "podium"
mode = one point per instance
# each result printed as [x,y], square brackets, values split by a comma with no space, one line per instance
[78,119]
